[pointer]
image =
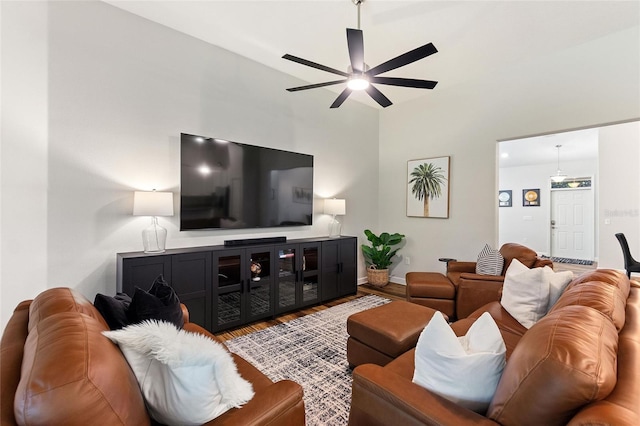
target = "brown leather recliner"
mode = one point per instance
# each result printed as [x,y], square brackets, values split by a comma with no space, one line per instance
[475,290]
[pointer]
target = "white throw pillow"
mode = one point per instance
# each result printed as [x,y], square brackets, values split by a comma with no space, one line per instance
[525,293]
[185,378]
[490,261]
[558,282]
[465,370]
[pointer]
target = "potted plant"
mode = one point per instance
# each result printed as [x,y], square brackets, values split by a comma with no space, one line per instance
[378,256]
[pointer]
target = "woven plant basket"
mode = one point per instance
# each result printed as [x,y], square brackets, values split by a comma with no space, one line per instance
[377,277]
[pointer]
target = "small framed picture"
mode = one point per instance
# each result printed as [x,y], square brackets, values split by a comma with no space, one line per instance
[531,197]
[504,198]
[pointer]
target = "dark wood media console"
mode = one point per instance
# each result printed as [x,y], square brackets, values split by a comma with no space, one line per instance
[226,287]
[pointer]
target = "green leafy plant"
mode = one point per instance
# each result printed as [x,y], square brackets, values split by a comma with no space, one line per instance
[379,253]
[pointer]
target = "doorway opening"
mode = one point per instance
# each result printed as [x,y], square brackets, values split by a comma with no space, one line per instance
[556,218]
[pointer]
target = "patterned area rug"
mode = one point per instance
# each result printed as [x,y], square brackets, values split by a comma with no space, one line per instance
[312,351]
[567,260]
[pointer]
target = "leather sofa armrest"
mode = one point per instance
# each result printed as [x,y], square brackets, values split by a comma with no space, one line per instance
[475,291]
[381,397]
[455,266]
[482,278]
[539,263]
[278,404]
[185,313]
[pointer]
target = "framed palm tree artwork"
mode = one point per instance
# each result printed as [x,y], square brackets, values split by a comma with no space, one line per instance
[428,187]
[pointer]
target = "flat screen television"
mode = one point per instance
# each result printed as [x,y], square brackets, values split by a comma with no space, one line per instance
[231,185]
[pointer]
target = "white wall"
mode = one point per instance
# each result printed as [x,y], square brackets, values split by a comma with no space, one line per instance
[94,100]
[619,207]
[585,85]
[530,225]
[23,153]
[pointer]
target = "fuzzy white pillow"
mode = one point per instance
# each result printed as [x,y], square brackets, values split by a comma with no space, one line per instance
[525,293]
[558,282]
[465,370]
[185,378]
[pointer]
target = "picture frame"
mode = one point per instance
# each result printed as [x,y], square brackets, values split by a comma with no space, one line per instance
[428,187]
[505,198]
[531,197]
[302,195]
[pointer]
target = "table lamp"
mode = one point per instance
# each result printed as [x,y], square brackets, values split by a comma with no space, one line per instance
[334,207]
[153,204]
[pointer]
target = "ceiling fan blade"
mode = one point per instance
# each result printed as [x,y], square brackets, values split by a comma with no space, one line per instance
[355,43]
[378,96]
[404,59]
[314,86]
[314,65]
[405,82]
[341,98]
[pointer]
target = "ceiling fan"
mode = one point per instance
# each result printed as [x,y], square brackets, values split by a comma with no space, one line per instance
[360,77]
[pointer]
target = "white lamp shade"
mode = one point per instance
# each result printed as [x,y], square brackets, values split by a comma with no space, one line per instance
[152,203]
[335,206]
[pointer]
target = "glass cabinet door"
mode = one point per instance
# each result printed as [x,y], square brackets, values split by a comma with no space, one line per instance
[310,274]
[260,275]
[286,288]
[228,292]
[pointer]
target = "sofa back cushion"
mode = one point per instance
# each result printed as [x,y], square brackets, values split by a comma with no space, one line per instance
[605,276]
[511,251]
[605,298]
[61,299]
[71,374]
[565,361]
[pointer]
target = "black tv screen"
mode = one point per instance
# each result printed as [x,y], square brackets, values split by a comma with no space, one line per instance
[230,185]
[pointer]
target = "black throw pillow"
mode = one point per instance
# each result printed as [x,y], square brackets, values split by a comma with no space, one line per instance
[159,303]
[113,309]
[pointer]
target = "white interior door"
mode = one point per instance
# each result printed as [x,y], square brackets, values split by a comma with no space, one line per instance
[572,223]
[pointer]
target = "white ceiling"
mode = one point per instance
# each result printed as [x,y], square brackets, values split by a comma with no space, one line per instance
[578,145]
[475,39]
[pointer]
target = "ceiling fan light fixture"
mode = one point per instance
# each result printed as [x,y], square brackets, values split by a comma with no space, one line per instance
[358,82]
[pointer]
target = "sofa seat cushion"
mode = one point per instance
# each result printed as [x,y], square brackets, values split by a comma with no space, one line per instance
[565,361]
[70,373]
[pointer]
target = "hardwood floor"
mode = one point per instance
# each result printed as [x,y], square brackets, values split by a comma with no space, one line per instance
[390,291]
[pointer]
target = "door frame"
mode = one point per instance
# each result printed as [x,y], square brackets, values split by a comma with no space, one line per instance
[594,220]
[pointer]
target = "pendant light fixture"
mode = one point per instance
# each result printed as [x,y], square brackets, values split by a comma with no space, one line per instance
[559,176]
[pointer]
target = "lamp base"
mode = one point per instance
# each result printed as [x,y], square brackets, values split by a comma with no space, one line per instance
[154,238]
[334,228]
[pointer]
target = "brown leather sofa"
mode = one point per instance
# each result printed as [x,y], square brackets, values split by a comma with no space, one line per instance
[558,361]
[474,290]
[58,369]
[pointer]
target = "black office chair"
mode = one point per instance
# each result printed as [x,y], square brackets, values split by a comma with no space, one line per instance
[630,264]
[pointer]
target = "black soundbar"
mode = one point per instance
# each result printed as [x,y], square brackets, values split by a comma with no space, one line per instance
[254,241]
